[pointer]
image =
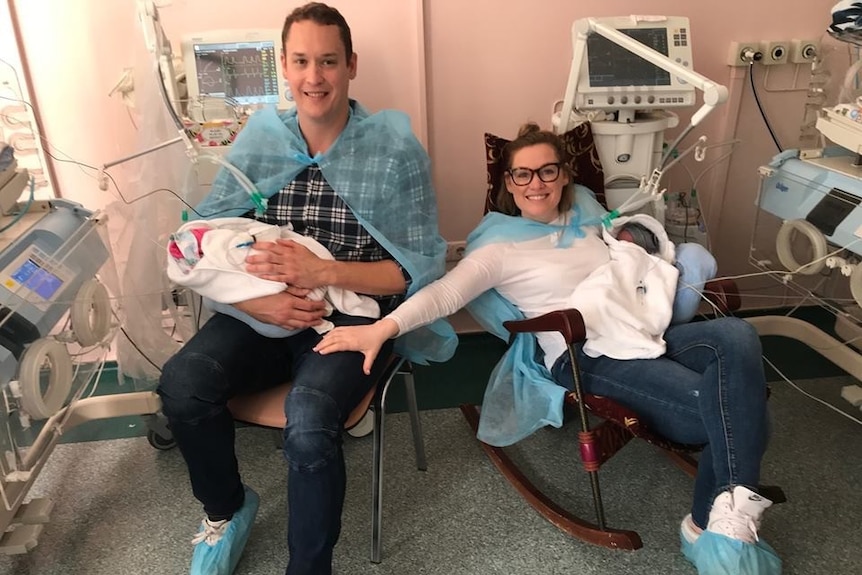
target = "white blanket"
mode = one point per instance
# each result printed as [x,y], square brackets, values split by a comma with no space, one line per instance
[220,273]
[627,303]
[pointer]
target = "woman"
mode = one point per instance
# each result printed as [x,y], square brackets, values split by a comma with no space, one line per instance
[707,387]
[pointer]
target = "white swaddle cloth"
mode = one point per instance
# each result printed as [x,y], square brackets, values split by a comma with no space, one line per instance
[627,303]
[213,265]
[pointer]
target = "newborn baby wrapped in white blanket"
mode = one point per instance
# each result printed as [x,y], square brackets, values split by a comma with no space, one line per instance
[208,256]
[627,303]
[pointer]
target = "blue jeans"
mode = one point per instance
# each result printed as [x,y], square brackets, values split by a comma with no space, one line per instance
[708,388]
[227,358]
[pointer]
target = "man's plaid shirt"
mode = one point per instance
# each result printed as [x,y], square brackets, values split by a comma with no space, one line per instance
[313,209]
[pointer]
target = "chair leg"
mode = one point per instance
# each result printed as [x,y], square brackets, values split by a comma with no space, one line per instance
[559,517]
[376,478]
[415,422]
[397,367]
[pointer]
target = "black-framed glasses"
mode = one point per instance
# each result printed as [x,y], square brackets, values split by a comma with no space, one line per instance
[523,176]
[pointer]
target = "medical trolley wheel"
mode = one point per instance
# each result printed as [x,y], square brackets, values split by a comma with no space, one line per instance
[161,442]
[159,433]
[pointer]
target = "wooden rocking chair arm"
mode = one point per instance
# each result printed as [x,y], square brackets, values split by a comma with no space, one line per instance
[568,322]
[724,294]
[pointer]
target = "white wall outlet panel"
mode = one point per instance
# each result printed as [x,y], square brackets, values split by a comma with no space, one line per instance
[803,51]
[775,52]
[737,51]
[455,251]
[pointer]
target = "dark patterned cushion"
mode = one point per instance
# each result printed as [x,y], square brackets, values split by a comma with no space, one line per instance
[583,155]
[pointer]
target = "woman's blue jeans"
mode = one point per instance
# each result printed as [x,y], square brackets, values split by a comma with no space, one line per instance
[227,358]
[708,388]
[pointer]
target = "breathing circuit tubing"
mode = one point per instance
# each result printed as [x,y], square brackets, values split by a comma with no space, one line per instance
[635,201]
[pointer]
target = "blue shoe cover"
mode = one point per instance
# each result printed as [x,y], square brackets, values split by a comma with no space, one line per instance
[221,558]
[715,554]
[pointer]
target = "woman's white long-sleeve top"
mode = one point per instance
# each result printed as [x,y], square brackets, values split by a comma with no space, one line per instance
[624,294]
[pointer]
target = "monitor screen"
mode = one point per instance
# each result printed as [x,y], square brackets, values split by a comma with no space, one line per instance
[612,65]
[243,71]
[226,67]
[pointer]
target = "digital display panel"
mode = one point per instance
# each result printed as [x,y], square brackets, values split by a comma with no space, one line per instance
[32,276]
[611,65]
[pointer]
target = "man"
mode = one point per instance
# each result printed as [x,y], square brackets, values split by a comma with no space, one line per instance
[360,185]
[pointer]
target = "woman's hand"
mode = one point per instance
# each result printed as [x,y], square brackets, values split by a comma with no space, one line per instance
[365,338]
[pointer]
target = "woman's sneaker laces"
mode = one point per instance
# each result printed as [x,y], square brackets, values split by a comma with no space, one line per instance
[737,514]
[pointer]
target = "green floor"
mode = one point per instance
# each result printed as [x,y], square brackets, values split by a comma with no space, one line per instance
[462,379]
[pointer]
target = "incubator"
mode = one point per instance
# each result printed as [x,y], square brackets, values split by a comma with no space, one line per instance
[808,233]
[56,323]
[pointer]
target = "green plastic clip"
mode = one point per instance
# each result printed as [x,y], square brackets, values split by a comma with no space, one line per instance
[259,203]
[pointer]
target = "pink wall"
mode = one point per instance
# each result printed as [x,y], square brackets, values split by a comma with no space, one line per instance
[490,66]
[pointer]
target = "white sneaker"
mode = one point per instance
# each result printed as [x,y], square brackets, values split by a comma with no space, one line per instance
[737,514]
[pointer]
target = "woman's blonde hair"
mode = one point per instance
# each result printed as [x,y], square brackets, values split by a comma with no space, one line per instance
[531,134]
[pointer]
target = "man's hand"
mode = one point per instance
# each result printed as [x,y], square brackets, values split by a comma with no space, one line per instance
[289,262]
[287,309]
[365,338]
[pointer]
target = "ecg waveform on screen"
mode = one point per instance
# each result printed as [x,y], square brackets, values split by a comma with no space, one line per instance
[239,73]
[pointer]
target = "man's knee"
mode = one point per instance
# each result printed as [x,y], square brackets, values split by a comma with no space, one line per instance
[313,431]
[190,387]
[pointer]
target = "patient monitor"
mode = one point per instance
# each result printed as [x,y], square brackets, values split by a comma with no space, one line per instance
[240,67]
[612,78]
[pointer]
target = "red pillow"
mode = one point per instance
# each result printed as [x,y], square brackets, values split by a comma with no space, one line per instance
[583,159]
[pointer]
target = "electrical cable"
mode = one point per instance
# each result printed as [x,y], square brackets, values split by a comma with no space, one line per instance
[808,395]
[139,350]
[760,107]
[718,312]
[257,199]
[131,341]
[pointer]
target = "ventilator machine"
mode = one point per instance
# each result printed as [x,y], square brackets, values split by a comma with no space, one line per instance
[626,74]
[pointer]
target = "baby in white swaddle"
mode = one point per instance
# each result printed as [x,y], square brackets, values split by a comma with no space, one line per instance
[208,256]
[627,303]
